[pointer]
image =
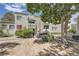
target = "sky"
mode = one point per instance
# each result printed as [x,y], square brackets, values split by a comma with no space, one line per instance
[21,7]
[74,18]
[12,7]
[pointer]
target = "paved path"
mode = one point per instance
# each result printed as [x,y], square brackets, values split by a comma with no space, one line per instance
[26,46]
[14,39]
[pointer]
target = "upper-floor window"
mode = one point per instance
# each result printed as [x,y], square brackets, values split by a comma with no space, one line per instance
[54,28]
[46,26]
[19,17]
[31,21]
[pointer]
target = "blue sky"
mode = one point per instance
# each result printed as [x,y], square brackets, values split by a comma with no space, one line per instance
[12,7]
[21,7]
[74,18]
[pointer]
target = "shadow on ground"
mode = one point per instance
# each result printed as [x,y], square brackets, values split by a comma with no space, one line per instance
[5,46]
[58,48]
[39,41]
[5,52]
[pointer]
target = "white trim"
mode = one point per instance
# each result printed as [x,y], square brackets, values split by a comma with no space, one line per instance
[15,22]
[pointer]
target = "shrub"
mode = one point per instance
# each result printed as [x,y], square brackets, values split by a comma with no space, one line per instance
[2,34]
[51,38]
[47,37]
[72,31]
[25,33]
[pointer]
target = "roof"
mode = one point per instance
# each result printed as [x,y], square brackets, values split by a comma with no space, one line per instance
[20,13]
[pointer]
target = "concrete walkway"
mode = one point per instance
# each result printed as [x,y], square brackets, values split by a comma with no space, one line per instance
[13,38]
[26,47]
[34,47]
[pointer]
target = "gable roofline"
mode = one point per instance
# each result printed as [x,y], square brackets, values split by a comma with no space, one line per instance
[20,13]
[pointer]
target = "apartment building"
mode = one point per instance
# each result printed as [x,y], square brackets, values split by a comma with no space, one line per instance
[21,21]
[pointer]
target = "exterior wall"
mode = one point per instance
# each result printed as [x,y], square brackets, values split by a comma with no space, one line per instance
[5,29]
[31,25]
[11,31]
[55,28]
[38,25]
[22,22]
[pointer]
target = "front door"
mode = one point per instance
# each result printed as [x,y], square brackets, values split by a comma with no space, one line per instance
[19,26]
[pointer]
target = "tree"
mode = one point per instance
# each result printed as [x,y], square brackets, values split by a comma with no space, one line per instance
[55,13]
[8,18]
[78,24]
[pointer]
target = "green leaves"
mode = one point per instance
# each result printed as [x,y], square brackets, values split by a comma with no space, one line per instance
[8,18]
[24,33]
[53,13]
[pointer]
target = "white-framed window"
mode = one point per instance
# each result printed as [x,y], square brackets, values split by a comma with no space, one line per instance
[46,26]
[19,17]
[54,28]
[11,26]
[31,21]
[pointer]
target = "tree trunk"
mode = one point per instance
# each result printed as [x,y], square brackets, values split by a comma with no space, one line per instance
[78,25]
[67,17]
[62,27]
[62,32]
[65,28]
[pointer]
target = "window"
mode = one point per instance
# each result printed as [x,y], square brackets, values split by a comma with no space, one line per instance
[11,26]
[4,26]
[19,17]
[54,28]
[46,26]
[19,26]
[31,21]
